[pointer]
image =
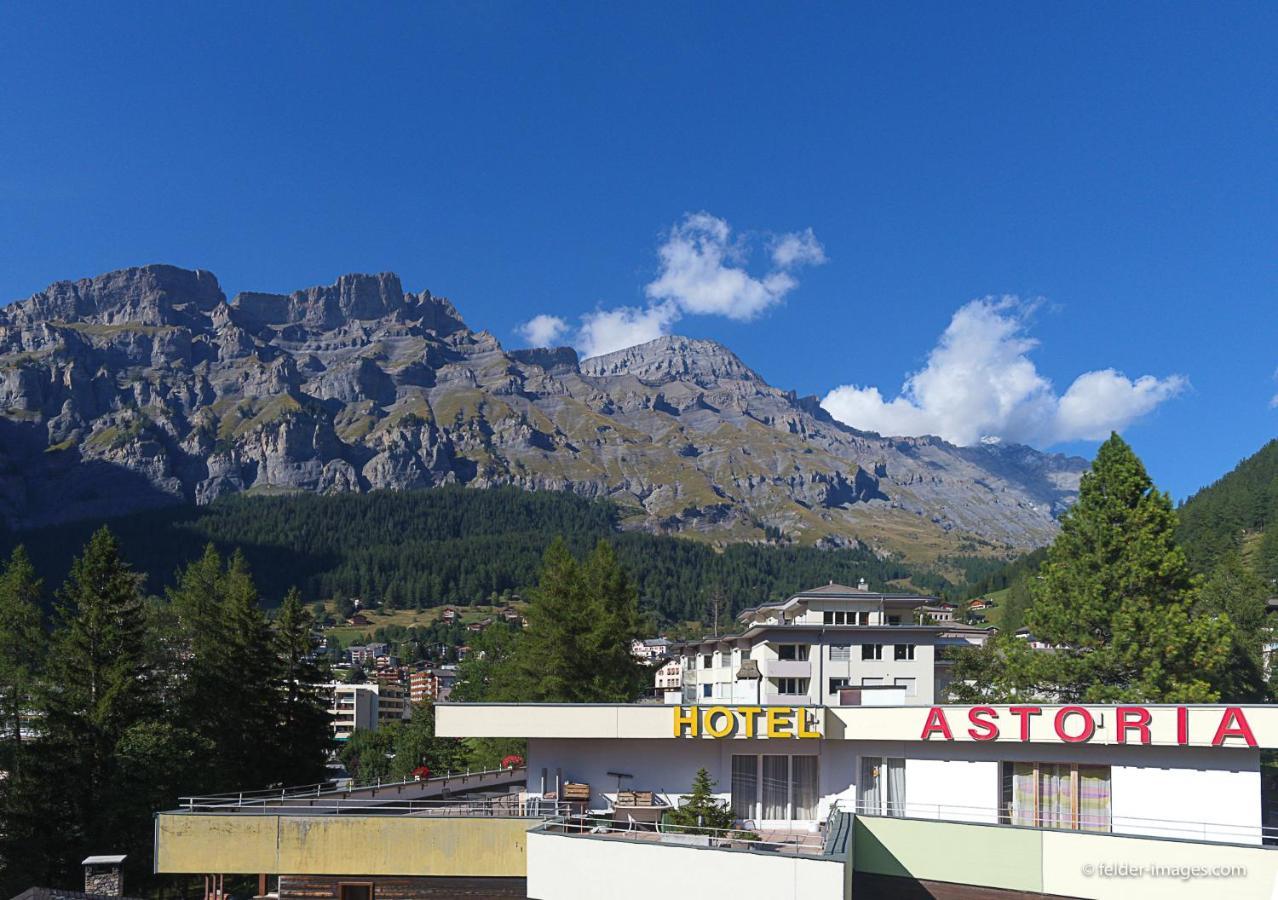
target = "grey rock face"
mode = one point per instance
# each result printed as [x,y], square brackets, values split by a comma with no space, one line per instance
[147,387]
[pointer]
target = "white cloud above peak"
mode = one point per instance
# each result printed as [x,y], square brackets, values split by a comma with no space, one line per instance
[979,381]
[703,272]
[543,330]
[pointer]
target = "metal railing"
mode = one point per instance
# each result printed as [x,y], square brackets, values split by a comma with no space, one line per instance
[504,806]
[772,841]
[333,789]
[1106,823]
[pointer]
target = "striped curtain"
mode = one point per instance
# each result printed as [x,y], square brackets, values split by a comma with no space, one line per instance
[1093,798]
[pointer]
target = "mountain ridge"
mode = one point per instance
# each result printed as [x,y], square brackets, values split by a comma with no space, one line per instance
[148,387]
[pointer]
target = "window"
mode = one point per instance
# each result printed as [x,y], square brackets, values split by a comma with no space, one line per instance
[827,617]
[745,785]
[881,791]
[355,891]
[904,651]
[725,657]
[1055,795]
[871,651]
[840,652]
[792,685]
[705,689]
[862,618]
[774,786]
[792,651]
[894,620]
[707,660]
[838,684]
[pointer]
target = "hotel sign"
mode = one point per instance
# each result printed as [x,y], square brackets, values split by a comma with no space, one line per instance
[778,722]
[1228,725]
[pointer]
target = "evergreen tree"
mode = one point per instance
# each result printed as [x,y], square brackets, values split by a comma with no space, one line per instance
[1235,591]
[99,687]
[701,812]
[22,651]
[302,720]
[580,626]
[1115,596]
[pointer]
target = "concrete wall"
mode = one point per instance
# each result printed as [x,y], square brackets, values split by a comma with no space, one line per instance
[1065,863]
[570,867]
[340,845]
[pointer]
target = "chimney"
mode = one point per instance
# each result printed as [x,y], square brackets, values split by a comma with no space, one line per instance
[862,585]
[104,875]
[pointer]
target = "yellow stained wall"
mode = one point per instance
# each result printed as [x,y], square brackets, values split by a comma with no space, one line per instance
[340,845]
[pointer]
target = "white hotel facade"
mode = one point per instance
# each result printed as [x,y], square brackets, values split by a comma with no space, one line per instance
[827,701]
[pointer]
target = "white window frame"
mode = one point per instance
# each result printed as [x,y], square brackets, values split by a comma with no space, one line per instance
[872,652]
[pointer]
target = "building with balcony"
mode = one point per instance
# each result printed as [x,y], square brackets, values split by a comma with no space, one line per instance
[393,703]
[829,646]
[352,707]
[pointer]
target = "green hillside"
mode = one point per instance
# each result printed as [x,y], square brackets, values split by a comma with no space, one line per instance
[1237,513]
[452,545]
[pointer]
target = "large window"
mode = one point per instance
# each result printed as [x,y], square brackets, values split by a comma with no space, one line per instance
[745,785]
[1056,795]
[881,791]
[774,786]
[793,651]
[792,685]
[840,653]
[871,651]
[903,651]
[359,891]
[838,684]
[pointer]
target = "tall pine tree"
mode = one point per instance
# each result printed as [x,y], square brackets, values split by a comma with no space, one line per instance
[99,687]
[1116,597]
[301,734]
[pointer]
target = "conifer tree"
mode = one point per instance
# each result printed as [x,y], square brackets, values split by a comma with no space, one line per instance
[1116,597]
[22,650]
[98,688]
[302,719]
[701,812]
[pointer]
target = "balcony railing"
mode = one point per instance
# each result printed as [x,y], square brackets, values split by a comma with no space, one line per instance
[1105,823]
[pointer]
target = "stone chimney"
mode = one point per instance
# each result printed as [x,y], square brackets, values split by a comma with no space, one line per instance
[862,586]
[104,875]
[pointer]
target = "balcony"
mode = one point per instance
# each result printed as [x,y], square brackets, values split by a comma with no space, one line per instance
[785,668]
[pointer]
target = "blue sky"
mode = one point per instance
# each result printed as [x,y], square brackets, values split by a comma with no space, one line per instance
[1113,167]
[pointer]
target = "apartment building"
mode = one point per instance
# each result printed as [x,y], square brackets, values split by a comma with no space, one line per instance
[423,687]
[829,646]
[352,707]
[393,703]
[670,676]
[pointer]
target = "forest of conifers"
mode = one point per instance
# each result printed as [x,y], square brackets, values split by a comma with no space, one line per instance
[453,545]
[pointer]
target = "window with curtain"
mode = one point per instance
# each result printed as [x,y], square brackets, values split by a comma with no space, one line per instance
[896,787]
[882,788]
[776,787]
[1093,798]
[1056,795]
[869,792]
[745,785]
[803,787]
[840,652]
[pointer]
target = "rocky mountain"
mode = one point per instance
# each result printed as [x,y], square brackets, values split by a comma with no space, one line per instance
[147,387]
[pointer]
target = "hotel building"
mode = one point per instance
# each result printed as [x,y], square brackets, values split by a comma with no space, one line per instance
[861,790]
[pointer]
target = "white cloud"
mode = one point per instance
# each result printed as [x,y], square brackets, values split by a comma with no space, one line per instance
[702,269]
[543,330]
[703,273]
[606,330]
[980,382]
[797,248]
